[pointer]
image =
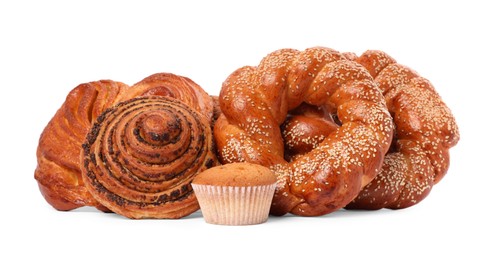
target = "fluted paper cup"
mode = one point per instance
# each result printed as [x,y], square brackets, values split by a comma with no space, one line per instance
[234,205]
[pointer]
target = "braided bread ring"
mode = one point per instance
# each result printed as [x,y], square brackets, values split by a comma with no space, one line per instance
[255,101]
[425,131]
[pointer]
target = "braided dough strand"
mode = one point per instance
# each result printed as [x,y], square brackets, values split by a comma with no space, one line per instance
[255,101]
[425,131]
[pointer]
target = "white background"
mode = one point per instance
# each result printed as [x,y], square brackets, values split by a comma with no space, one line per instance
[49,47]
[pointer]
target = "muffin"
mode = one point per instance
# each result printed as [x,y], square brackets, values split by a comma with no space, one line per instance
[235,194]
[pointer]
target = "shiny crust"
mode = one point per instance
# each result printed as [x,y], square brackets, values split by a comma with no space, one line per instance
[141,156]
[425,131]
[255,101]
[174,86]
[59,170]
[304,128]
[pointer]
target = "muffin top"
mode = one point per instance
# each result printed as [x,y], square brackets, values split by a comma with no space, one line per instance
[236,174]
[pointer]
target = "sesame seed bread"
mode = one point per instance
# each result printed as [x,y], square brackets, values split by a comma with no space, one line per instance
[255,102]
[425,131]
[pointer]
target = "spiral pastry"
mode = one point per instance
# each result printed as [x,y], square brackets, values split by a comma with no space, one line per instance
[140,157]
[58,172]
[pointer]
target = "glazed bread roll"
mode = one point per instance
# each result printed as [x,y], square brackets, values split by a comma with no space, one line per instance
[58,171]
[140,157]
[59,150]
[425,130]
[255,101]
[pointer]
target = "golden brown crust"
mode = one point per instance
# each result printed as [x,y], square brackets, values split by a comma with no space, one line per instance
[174,86]
[141,156]
[255,102]
[304,128]
[425,131]
[236,174]
[58,171]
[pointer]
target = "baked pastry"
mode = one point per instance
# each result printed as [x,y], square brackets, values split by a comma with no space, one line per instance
[255,101]
[216,108]
[235,194]
[58,172]
[141,156]
[304,128]
[425,131]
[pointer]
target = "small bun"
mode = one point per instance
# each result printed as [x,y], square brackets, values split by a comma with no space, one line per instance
[236,174]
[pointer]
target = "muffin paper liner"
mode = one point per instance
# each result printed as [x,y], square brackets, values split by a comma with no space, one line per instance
[232,205]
